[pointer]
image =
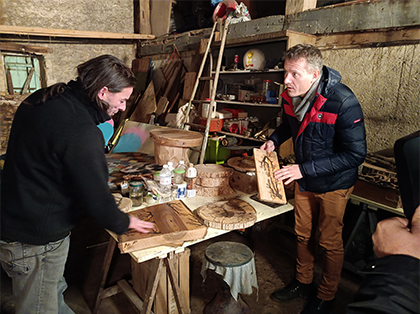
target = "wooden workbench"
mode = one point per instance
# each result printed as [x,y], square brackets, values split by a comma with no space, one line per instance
[170,257]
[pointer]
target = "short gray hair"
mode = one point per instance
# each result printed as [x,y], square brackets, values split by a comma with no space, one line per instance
[312,55]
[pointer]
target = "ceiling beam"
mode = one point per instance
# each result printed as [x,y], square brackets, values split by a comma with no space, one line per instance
[49,32]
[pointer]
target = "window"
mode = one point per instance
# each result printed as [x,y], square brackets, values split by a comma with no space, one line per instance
[23,73]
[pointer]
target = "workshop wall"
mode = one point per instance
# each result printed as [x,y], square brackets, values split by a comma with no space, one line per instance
[64,54]
[385,80]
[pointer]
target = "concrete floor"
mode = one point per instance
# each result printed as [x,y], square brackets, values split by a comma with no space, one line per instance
[274,250]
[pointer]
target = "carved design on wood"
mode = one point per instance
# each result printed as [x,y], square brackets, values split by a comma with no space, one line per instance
[270,189]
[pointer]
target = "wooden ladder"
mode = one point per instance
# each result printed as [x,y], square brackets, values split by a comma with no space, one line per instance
[224,24]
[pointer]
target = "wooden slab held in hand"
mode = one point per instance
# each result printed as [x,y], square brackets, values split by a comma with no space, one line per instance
[174,224]
[228,214]
[270,189]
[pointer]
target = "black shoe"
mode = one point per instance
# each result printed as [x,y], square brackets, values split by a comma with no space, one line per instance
[318,306]
[292,291]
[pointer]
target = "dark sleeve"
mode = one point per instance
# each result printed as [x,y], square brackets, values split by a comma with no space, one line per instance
[86,166]
[349,142]
[391,286]
[282,133]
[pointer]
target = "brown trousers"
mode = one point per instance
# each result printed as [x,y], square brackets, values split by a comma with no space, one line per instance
[325,210]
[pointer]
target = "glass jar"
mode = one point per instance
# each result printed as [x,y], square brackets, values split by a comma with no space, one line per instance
[136,193]
[179,175]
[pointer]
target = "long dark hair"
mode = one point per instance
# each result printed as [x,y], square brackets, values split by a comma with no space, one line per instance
[105,70]
[96,73]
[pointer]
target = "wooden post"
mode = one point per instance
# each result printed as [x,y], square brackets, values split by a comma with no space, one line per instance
[297,6]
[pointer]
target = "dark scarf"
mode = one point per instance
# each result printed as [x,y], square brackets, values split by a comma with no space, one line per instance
[98,115]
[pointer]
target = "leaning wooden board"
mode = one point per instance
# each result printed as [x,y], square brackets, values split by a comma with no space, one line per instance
[269,189]
[174,224]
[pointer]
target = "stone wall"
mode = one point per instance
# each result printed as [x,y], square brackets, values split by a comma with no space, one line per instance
[65,54]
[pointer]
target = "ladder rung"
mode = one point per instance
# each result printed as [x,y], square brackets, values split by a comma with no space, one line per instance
[206,78]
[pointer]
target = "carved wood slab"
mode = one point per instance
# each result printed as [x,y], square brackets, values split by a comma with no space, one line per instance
[174,224]
[270,189]
[228,214]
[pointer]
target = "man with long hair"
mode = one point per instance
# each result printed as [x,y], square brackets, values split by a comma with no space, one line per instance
[54,175]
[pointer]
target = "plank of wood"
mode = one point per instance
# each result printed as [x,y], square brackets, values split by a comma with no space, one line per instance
[230,214]
[51,32]
[189,82]
[160,16]
[140,65]
[174,223]
[9,79]
[28,81]
[270,189]
[146,106]
[6,46]
[297,6]
[144,17]
[163,101]
[369,38]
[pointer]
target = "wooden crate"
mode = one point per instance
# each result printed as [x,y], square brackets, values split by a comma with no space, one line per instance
[164,301]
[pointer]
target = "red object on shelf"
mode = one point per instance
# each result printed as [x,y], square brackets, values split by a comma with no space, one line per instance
[215,124]
[234,111]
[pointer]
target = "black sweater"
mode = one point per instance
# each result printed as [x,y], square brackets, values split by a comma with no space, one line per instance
[55,171]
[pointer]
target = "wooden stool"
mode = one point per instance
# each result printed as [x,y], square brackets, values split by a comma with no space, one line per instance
[235,265]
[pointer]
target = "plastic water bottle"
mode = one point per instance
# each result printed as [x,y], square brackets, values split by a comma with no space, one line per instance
[190,179]
[179,172]
[165,182]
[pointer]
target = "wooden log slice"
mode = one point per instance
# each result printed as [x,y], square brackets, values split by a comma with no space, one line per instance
[214,191]
[123,203]
[213,182]
[228,214]
[242,163]
[213,171]
[176,137]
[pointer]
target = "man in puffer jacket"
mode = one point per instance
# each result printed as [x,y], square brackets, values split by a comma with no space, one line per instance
[325,120]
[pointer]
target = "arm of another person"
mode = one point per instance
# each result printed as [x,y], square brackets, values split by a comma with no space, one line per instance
[87,171]
[391,283]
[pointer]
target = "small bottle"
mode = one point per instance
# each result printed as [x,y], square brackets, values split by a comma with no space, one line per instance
[190,179]
[136,192]
[165,176]
[179,172]
[266,87]
[235,62]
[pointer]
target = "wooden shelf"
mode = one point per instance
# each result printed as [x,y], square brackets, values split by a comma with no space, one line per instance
[242,136]
[49,32]
[240,103]
[251,71]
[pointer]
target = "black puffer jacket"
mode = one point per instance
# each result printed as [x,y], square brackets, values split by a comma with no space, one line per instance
[330,143]
[55,171]
[390,286]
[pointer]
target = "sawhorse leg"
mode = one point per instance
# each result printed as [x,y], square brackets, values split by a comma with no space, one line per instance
[105,268]
[151,291]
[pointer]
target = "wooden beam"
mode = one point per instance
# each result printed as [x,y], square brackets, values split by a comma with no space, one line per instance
[382,37]
[49,32]
[6,46]
[297,6]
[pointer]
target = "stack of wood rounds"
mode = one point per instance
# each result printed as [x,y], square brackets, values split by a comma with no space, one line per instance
[244,177]
[213,180]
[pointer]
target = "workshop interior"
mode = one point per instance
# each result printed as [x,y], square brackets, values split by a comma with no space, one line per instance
[186,153]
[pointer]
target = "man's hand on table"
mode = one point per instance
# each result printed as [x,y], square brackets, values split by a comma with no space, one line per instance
[140,225]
